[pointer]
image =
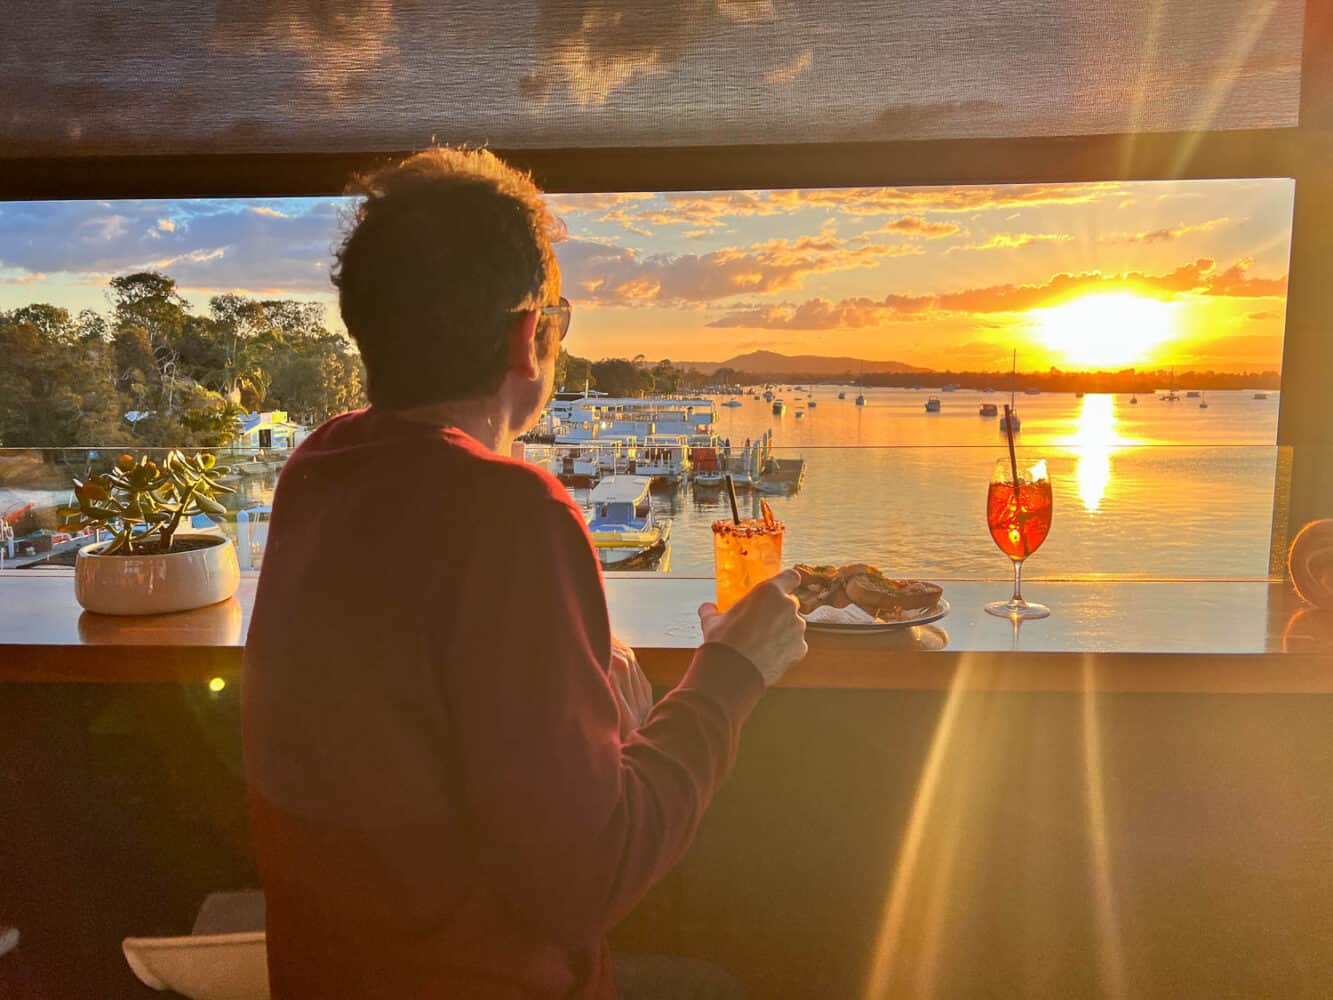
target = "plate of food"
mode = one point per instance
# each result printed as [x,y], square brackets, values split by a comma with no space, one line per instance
[860,598]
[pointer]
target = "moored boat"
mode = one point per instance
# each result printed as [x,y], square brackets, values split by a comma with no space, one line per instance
[624,528]
[860,400]
[989,410]
[933,404]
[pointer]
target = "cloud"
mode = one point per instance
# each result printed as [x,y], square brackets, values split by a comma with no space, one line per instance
[606,274]
[216,244]
[1015,241]
[586,50]
[23,278]
[1167,234]
[914,225]
[341,45]
[789,72]
[569,204]
[1199,277]
[713,209]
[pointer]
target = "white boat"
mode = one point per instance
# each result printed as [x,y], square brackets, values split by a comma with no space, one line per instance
[779,407]
[989,410]
[624,528]
[933,404]
[860,400]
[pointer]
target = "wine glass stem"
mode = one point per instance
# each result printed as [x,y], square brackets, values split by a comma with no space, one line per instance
[1018,582]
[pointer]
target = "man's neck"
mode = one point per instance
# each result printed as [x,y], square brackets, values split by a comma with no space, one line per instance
[484,420]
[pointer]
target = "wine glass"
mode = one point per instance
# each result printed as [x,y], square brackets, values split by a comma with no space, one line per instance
[1019,517]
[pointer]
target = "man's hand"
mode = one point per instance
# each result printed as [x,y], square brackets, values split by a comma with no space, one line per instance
[764,626]
[631,688]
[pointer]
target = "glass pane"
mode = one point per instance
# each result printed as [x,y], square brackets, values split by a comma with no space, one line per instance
[222,75]
[846,354]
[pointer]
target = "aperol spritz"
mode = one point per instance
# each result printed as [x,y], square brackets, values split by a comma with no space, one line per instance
[1019,517]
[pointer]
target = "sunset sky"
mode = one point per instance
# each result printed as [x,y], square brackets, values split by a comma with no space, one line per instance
[1191,274]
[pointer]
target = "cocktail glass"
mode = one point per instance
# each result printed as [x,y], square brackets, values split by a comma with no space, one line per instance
[745,554]
[1019,518]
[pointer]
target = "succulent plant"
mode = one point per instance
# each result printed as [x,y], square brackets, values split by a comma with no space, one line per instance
[142,504]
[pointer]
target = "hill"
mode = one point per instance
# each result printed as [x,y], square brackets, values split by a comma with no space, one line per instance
[772,363]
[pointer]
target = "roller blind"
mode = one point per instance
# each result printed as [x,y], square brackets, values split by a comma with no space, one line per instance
[245,76]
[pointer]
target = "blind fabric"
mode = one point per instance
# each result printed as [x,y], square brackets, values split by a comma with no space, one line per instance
[80,77]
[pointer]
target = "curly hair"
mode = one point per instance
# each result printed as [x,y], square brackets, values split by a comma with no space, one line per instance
[441,251]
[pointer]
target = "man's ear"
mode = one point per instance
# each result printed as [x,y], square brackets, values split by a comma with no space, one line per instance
[524,352]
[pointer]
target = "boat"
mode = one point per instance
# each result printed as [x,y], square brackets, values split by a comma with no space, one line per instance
[1171,395]
[1193,394]
[1014,421]
[951,387]
[800,414]
[1078,395]
[1032,392]
[732,402]
[768,395]
[812,404]
[860,400]
[989,410]
[624,528]
[1203,402]
[779,407]
[1133,400]
[1261,395]
[842,395]
[933,404]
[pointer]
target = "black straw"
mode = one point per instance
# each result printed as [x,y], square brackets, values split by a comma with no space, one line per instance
[731,495]
[1009,433]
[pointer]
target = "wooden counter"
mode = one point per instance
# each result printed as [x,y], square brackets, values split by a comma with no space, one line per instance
[1115,635]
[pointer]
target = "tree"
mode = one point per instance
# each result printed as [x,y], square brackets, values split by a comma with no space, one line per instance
[54,392]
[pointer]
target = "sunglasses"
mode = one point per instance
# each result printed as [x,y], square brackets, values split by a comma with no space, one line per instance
[559,314]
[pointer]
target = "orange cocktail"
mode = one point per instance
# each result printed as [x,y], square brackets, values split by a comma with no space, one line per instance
[745,554]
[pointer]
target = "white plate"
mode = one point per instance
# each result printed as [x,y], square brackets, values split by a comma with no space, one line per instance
[933,615]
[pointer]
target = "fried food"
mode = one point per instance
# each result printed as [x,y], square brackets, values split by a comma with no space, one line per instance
[875,593]
[865,586]
[819,585]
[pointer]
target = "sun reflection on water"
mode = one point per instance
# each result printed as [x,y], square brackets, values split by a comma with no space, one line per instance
[1095,439]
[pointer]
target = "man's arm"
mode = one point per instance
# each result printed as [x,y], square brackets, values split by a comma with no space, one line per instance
[573,824]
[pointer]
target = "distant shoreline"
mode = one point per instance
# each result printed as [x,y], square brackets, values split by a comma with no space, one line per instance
[1113,382]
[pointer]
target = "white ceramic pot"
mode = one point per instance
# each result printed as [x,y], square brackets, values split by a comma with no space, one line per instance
[156,584]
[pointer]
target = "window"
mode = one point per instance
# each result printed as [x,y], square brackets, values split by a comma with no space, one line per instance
[1092,304]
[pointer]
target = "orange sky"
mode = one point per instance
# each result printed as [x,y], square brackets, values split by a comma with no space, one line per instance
[1191,274]
[1152,274]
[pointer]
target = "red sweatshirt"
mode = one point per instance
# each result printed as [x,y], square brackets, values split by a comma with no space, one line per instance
[440,799]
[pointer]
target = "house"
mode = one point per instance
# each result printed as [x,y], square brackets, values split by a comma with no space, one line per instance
[269,431]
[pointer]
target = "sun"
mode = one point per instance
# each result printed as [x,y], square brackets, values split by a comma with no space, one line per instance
[1112,330]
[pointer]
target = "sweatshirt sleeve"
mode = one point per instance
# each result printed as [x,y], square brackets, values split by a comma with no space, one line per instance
[571,824]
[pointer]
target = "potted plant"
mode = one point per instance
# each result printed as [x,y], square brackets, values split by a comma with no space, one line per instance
[150,566]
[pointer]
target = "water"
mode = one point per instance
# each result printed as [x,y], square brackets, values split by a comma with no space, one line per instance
[1154,490]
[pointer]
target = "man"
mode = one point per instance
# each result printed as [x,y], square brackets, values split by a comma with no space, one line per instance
[457,784]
